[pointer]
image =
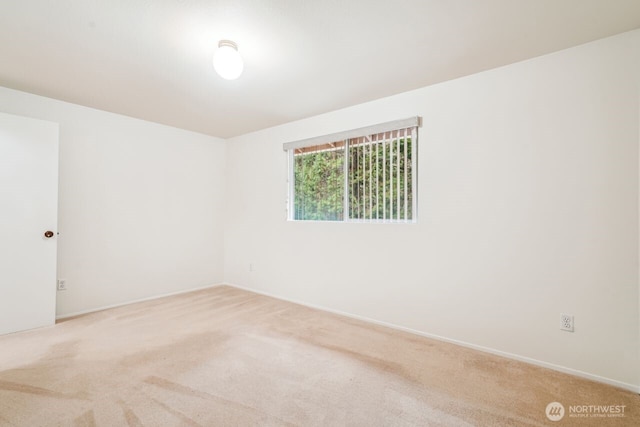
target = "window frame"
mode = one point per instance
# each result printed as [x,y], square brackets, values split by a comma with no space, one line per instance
[413,123]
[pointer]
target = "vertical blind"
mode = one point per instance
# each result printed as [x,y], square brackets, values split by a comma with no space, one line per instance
[380,176]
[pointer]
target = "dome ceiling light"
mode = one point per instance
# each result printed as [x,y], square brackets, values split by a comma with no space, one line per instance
[227,60]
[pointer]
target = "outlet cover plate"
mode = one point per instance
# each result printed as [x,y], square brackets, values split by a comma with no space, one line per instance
[566,322]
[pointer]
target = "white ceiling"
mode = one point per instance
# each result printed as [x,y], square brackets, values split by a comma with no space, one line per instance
[151,59]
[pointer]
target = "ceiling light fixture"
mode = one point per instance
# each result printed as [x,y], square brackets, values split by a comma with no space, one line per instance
[227,60]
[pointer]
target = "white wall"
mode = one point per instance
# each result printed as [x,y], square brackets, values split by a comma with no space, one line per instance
[140,204]
[528,207]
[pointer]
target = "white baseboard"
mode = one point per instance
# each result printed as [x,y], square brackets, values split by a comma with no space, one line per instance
[631,387]
[93,310]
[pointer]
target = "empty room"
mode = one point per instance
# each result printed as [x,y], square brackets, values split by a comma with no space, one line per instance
[319,213]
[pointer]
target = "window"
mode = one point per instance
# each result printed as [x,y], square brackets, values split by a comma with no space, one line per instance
[364,175]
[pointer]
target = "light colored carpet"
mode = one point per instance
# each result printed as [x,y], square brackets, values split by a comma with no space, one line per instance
[227,357]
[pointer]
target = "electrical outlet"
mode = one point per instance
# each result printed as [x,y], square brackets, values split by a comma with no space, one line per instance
[252,267]
[62,284]
[566,322]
